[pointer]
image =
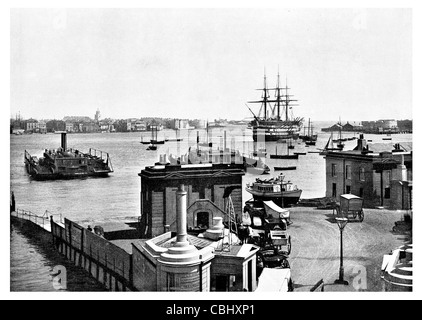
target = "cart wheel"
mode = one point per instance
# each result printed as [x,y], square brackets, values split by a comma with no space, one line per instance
[361,216]
[355,214]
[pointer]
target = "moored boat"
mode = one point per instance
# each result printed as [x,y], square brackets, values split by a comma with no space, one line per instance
[284,156]
[310,138]
[68,163]
[152,147]
[272,127]
[284,168]
[282,193]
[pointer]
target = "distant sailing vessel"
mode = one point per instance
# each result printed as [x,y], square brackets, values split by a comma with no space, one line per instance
[284,156]
[330,146]
[154,140]
[340,140]
[271,125]
[310,138]
[68,163]
[290,145]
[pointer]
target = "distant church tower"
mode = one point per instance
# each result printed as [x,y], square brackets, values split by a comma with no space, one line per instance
[97,116]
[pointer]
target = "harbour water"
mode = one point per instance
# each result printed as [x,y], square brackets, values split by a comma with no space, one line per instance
[119,194]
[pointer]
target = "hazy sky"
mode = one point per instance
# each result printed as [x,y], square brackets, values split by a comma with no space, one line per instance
[206,63]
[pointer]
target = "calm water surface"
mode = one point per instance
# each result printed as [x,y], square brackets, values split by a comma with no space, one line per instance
[119,194]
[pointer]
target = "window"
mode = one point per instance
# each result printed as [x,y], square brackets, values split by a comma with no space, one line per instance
[333,170]
[202,193]
[348,189]
[361,192]
[172,282]
[334,190]
[362,174]
[348,171]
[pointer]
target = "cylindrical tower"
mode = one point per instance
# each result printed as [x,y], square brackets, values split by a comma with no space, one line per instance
[183,267]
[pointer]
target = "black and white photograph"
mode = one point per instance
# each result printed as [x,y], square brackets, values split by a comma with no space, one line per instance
[246,150]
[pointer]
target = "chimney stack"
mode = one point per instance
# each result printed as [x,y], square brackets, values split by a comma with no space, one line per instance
[361,143]
[64,141]
[181,216]
[181,252]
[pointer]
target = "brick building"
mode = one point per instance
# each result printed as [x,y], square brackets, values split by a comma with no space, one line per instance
[382,176]
[205,185]
[179,261]
[31,125]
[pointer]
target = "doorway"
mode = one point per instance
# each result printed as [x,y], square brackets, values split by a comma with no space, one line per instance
[203,220]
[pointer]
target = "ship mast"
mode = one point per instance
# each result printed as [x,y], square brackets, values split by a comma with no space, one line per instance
[265,98]
[309,125]
[279,98]
[278,95]
[287,101]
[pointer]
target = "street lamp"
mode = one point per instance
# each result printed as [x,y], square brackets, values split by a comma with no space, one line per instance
[341,222]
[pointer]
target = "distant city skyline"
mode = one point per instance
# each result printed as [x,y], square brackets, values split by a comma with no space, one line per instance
[305,122]
[353,64]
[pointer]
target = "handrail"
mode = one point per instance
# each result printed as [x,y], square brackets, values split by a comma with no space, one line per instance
[30,216]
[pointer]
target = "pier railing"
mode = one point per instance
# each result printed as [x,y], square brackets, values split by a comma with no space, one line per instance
[104,156]
[105,261]
[41,220]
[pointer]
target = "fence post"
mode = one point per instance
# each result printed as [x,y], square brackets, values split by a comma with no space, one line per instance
[52,229]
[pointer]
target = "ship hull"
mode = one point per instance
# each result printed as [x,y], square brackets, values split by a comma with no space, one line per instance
[41,173]
[275,130]
[284,156]
[59,176]
[274,136]
[66,168]
[282,199]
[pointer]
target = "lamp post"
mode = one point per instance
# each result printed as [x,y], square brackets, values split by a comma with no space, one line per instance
[341,222]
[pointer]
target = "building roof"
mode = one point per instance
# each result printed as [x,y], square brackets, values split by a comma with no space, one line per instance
[197,171]
[77,119]
[389,146]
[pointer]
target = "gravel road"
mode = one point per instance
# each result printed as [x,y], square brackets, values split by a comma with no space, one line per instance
[316,248]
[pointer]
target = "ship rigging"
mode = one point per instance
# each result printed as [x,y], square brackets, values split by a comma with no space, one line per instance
[269,123]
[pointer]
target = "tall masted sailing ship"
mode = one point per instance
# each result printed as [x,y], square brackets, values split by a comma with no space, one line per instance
[274,121]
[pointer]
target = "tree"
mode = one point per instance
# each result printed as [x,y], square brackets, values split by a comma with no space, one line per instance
[55,125]
[121,125]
